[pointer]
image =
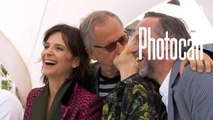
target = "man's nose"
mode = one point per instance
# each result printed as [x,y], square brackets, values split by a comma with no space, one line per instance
[119,47]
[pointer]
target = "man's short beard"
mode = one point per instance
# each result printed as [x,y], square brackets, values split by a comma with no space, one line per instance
[147,70]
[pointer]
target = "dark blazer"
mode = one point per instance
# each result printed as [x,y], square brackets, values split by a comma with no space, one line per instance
[82,105]
[190,96]
[93,78]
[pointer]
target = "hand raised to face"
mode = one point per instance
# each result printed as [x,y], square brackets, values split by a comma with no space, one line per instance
[126,63]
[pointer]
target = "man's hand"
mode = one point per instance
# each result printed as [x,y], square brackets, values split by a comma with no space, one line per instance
[199,65]
[126,63]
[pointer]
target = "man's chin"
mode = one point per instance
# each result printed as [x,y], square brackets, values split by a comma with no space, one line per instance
[141,63]
[143,68]
[143,73]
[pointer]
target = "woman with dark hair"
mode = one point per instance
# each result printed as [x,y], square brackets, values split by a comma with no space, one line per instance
[65,71]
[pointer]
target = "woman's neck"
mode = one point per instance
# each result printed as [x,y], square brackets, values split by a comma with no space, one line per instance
[54,85]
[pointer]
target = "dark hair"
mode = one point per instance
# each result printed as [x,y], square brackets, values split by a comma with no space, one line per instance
[174,26]
[73,41]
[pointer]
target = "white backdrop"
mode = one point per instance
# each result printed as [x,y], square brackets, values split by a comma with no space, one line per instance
[23,23]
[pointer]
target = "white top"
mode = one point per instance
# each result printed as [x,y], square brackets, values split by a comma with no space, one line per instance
[10,106]
[164,90]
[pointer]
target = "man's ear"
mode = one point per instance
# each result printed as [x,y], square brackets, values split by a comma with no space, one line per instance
[76,62]
[91,54]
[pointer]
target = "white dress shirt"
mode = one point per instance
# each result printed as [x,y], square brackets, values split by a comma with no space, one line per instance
[10,106]
[164,90]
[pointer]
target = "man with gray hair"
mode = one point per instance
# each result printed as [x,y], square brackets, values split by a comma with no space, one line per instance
[104,37]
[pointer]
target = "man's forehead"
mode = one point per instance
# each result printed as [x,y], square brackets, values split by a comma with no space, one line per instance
[148,22]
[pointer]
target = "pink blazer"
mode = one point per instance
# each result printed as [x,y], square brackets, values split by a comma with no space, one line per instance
[82,105]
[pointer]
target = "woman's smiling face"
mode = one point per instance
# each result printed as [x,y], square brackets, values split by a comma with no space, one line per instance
[56,57]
